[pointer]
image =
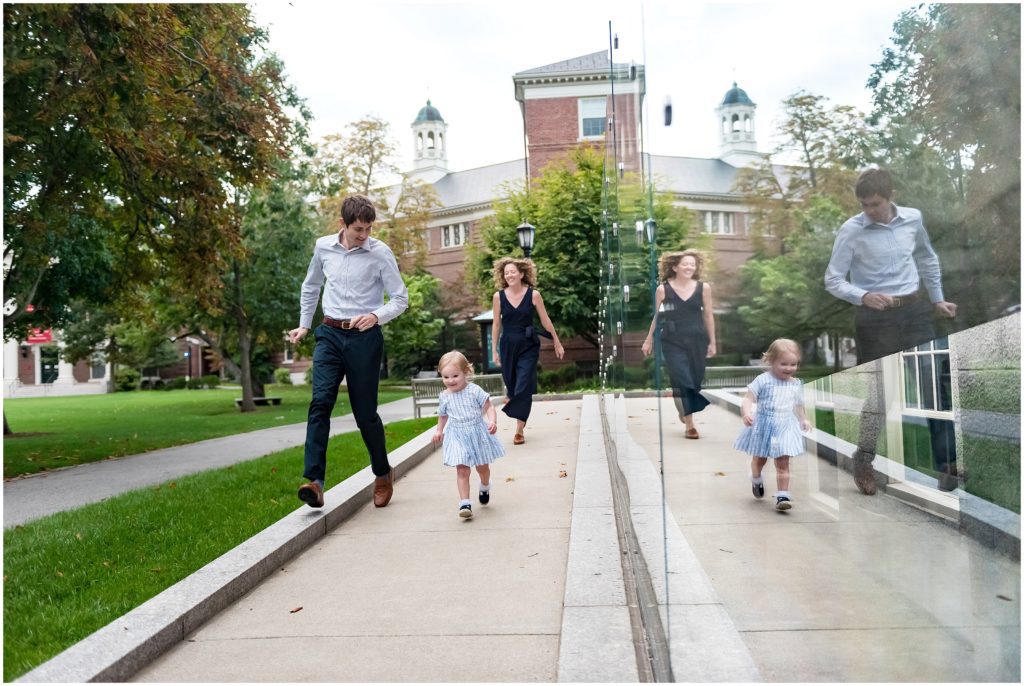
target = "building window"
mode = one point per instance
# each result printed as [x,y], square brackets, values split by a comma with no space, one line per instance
[289,355]
[926,379]
[593,113]
[98,367]
[718,222]
[453,235]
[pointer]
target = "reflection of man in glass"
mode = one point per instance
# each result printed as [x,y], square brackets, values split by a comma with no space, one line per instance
[878,261]
[886,252]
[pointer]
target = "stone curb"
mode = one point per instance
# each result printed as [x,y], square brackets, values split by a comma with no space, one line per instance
[118,650]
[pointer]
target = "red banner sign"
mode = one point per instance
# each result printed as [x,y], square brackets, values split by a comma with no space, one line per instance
[40,336]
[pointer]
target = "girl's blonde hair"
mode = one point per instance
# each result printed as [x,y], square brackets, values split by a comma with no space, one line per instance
[669,260]
[779,346]
[458,359]
[523,264]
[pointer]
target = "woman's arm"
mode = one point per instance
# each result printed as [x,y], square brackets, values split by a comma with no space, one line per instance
[648,345]
[545,321]
[495,328]
[709,320]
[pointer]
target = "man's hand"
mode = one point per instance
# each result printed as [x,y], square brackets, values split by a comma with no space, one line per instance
[876,301]
[946,309]
[296,335]
[364,322]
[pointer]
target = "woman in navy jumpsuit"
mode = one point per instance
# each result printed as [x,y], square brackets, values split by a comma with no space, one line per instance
[514,339]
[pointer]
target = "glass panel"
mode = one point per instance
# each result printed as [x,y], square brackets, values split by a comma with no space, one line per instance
[910,383]
[926,382]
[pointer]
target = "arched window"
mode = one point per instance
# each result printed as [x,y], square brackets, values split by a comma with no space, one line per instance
[440,140]
[736,125]
[747,124]
[725,126]
[419,142]
[430,140]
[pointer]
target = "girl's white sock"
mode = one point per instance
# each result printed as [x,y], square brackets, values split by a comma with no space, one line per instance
[486,488]
[785,493]
[756,479]
[464,502]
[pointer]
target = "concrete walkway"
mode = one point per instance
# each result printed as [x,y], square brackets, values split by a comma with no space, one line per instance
[38,495]
[411,592]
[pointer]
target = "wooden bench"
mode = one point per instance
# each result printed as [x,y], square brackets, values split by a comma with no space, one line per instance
[260,401]
[426,390]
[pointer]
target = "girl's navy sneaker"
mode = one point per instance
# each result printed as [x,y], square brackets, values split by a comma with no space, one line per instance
[782,503]
[485,497]
[466,511]
[757,489]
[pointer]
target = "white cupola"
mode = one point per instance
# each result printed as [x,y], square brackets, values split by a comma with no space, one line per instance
[737,140]
[430,145]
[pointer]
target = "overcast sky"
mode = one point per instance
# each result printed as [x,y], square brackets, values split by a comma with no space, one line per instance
[386,57]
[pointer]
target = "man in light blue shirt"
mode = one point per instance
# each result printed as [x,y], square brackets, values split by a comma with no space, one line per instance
[886,253]
[355,271]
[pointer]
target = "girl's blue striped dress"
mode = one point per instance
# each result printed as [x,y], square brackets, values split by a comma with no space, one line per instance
[466,440]
[776,429]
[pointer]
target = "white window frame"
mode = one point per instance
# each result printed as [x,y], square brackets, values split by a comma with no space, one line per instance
[592,109]
[454,235]
[719,222]
[289,355]
[929,353]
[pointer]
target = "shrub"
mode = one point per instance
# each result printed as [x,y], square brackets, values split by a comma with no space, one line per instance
[308,376]
[194,383]
[177,383]
[211,380]
[126,379]
[159,385]
[283,376]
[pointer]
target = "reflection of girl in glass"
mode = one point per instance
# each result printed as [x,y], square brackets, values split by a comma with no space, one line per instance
[686,324]
[515,342]
[774,432]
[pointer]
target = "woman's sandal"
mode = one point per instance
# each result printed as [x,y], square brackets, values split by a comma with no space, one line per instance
[518,439]
[692,433]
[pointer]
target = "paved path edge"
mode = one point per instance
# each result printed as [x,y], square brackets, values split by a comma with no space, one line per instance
[120,649]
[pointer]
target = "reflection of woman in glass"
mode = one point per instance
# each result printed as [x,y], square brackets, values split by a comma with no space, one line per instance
[515,342]
[686,324]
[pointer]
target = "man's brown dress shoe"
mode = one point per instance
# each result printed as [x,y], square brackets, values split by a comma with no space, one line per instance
[518,439]
[692,433]
[383,488]
[312,494]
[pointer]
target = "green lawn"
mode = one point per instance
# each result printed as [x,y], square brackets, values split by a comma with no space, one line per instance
[67,575]
[71,430]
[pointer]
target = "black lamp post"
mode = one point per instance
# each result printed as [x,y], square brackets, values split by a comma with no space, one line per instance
[526,233]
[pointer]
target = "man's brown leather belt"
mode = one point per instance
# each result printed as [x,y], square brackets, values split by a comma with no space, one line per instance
[338,323]
[903,300]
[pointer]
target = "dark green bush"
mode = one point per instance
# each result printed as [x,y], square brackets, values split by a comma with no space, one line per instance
[177,383]
[126,379]
[283,376]
[211,380]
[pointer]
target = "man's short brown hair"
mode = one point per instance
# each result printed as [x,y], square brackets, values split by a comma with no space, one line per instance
[874,182]
[357,208]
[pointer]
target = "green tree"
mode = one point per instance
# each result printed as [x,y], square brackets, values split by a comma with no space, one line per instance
[947,101]
[126,128]
[260,286]
[413,340]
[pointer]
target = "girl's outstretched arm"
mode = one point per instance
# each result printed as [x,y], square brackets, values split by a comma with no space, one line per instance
[491,416]
[802,416]
[747,409]
[439,431]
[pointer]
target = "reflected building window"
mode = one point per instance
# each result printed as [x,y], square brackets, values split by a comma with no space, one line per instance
[593,112]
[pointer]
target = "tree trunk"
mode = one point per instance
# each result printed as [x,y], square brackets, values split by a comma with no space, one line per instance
[244,345]
[7,427]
